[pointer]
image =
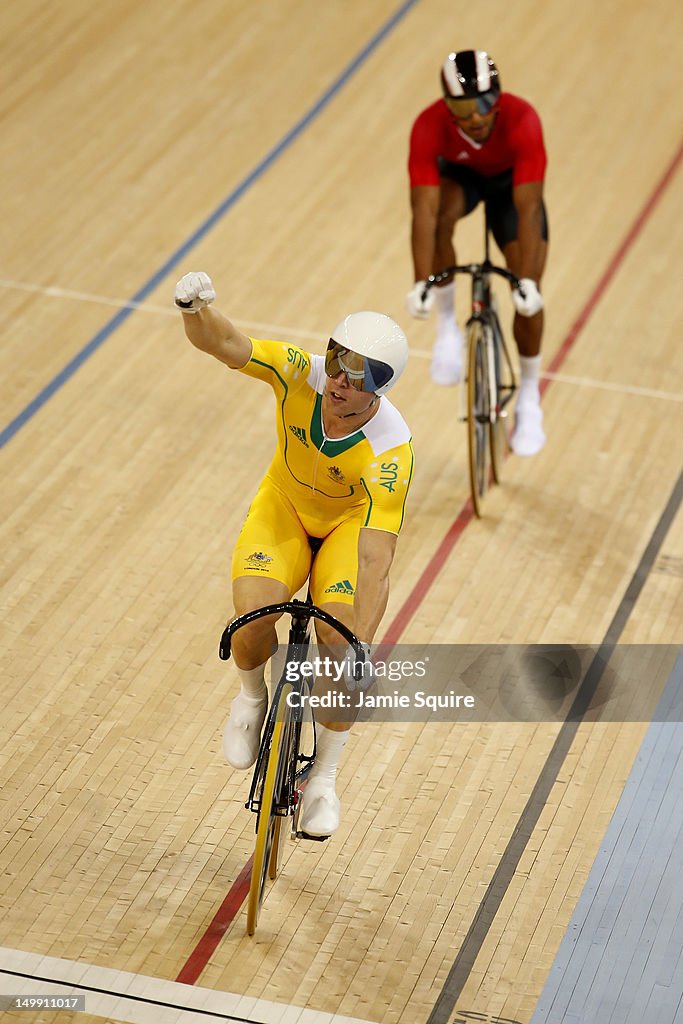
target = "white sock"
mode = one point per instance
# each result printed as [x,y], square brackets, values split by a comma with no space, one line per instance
[329,744]
[254,688]
[445,304]
[531,370]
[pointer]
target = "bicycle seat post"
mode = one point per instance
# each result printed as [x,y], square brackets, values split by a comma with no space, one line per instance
[487,235]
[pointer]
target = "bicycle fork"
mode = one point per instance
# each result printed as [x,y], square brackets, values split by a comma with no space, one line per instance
[491,378]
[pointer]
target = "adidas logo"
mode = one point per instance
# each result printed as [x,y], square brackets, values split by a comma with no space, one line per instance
[463,155]
[343,587]
[300,434]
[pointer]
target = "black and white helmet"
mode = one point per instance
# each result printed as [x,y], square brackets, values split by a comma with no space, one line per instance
[467,74]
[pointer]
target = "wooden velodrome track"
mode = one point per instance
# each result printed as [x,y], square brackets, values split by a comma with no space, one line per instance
[266,144]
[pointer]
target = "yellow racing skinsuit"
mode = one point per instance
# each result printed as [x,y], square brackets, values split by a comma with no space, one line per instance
[318,486]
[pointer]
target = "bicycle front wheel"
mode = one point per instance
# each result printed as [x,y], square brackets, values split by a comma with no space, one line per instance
[269,822]
[497,433]
[478,412]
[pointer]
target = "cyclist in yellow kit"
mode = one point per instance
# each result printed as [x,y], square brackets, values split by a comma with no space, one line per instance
[340,473]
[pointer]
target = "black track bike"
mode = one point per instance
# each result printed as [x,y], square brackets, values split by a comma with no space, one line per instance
[282,766]
[490,377]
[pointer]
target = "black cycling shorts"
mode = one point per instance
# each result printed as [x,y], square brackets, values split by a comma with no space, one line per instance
[496,193]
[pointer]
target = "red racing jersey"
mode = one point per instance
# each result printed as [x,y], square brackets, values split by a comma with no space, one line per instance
[515,143]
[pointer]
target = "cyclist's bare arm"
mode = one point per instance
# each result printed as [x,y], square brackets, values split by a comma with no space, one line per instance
[528,200]
[211,332]
[424,202]
[375,554]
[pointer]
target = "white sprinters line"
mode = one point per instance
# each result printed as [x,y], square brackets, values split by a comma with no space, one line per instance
[283,330]
[55,292]
[587,382]
[138,999]
[624,389]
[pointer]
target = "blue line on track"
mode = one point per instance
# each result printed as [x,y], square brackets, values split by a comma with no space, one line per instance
[182,251]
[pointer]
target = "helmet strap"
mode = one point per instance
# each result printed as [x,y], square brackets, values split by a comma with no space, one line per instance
[360,412]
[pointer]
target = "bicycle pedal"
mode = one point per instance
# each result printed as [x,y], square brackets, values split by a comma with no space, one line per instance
[316,839]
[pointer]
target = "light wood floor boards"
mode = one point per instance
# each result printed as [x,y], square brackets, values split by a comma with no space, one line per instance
[126,128]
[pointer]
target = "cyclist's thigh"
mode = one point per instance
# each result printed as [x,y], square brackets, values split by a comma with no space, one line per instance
[335,569]
[272,545]
[502,217]
[511,253]
[461,190]
[249,593]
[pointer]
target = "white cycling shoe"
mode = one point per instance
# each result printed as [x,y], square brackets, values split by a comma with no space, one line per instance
[320,810]
[242,733]
[528,437]
[447,357]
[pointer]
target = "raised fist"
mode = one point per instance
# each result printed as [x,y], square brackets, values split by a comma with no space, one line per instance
[193,292]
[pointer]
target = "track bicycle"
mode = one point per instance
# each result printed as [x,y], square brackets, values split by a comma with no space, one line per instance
[490,378]
[281,765]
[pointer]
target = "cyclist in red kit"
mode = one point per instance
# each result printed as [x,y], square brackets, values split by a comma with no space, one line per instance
[480,144]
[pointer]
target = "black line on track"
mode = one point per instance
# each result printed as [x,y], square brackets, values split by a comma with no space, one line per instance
[498,886]
[216,1014]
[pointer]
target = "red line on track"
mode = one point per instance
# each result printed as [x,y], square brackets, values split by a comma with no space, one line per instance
[613,266]
[428,575]
[232,903]
[229,908]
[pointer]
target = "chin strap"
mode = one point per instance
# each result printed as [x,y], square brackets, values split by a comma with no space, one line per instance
[346,415]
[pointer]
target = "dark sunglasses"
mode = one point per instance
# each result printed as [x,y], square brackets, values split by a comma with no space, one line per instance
[466,107]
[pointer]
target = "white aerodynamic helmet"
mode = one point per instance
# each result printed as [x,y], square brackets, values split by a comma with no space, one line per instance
[370,348]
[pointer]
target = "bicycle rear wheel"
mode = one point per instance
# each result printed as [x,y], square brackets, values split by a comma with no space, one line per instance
[478,409]
[268,826]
